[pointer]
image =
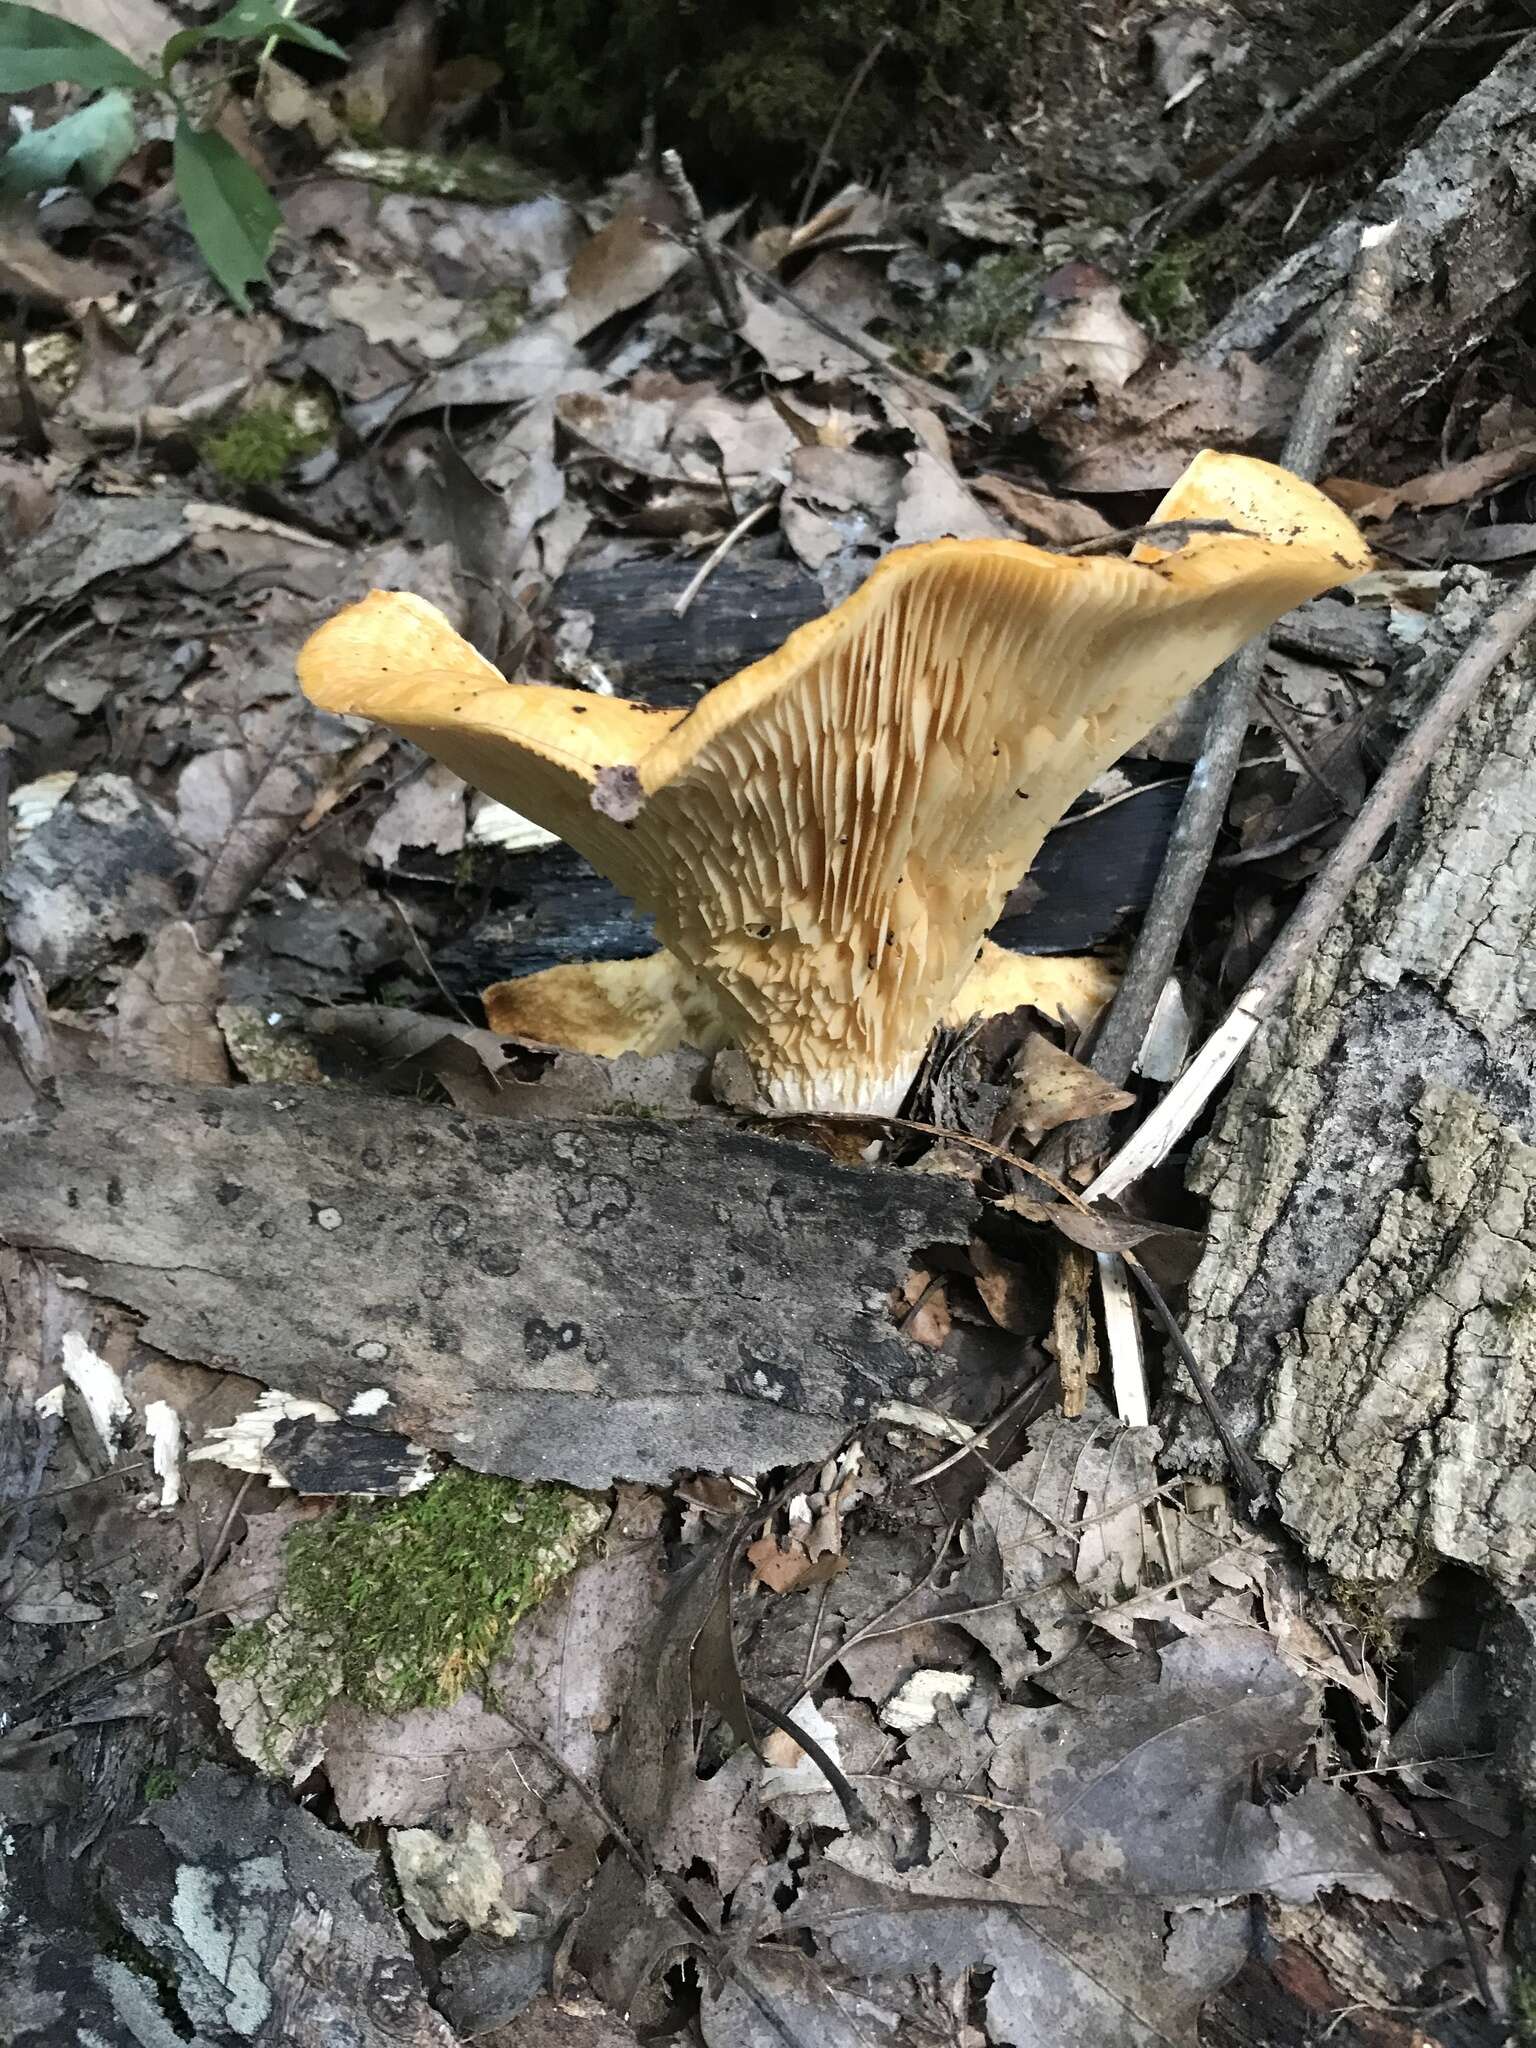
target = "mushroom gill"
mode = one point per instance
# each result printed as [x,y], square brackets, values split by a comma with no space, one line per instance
[826,838]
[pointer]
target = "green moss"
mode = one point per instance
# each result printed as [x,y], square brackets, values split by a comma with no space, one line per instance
[992,305]
[504,311]
[1162,296]
[258,444]
[405,1603]
[159,1783]
[1523,2001]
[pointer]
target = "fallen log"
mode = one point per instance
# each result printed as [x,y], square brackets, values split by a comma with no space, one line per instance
[584,1299]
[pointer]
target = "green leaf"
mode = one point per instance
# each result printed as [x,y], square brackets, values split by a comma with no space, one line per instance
[229,209]
[96,141]
[35,49]
[247,19]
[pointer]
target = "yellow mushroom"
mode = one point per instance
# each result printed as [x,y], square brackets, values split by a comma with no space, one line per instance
[825,839]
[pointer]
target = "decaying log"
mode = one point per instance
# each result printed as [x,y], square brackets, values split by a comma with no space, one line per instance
[1465,254]
[749,607]
[584,1299]
[1367,1304]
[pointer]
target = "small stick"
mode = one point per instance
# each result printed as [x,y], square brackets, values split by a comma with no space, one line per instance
[1173,531]
[1299,941]
[696,235]
[718,554]
[1323,94]
[855,87]
[854,1811]
[1210,785]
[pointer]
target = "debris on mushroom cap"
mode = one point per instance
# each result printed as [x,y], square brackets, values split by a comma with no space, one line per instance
[826,838]
[656,1005]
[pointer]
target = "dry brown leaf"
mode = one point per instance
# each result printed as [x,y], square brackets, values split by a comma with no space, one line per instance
[791,347]
[33,271]
[1052,1088]
[627,261]
[922,1309]
[1053,522]
[1141,438]
[1451,486]
[163,1024]
[1097,1229]
[787,1569]
[1005,1288]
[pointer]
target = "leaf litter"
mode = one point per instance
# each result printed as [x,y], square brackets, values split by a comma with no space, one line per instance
[979,1723]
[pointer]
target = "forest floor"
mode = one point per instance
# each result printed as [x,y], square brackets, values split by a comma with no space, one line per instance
[501,1542]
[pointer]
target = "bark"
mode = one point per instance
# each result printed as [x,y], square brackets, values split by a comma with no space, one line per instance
[1366,1302]
[1465,256]
[583,1299]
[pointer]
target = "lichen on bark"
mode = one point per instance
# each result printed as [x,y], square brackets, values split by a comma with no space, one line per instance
[1366,1301]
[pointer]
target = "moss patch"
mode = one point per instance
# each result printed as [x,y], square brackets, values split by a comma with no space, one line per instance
[258,444]
[404,1603]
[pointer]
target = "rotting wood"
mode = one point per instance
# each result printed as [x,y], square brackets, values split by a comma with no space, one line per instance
[583,1299]
[1366,1301]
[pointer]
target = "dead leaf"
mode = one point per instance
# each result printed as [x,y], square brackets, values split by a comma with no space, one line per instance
[139,28]
[786,1568]
[629,260]
[428,811]
[1453,486]
[923,1309]
[33,270]
[1051,1088]
[1052,522]
[1011,1300]
[163,1022]
[1098,1230]
[791,347]
[1142,437]
[935,503]
[192,376]
[1089,335]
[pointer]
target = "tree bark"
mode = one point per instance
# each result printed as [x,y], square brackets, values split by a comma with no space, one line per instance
[1366,1304]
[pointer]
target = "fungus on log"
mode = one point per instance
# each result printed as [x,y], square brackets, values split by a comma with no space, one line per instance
[826,838]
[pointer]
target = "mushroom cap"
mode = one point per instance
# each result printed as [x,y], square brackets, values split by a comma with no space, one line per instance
[826,837]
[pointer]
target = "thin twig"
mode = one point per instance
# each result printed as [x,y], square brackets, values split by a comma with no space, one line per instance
[1492,2006]
[173,1628]
[862,1633]
[1205,801]
[1265,136]
[14,1507]
[1171,531]
[696,234]
[855,87]
[216,1554]
[426,960]
[718,553]
[1299,941]
[1243,1467]
[982,1438]
[854,1810]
